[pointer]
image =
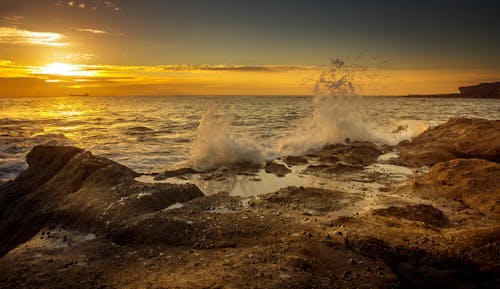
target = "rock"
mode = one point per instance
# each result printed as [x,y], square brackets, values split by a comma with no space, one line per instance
[341,168]
[44,163]
[357,153]
[475,182]
[294,160]
[175,173]
[421,213]
[328,159]
[315,169]
[311,200]
[482,90]
[457,138]
[337,168]
[277,169]
[77,188]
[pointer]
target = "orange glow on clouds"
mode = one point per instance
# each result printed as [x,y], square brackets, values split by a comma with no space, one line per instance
[13,35]
[64,69]
[59,78]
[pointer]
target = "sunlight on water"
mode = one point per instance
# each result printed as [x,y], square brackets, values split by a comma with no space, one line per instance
[151,133]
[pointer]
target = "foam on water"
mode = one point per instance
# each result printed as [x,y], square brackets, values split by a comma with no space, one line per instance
[218,145]
[148,134]
[339,115]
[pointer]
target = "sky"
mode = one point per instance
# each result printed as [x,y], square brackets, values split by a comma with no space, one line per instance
[230,47]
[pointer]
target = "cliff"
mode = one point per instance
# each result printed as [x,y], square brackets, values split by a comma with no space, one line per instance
[482,90]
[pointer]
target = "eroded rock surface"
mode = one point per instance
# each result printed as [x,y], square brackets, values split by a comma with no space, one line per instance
[457,138]
[294,160]
[472,182]
[65,185]
[422,213]
[356,153]
[279,170]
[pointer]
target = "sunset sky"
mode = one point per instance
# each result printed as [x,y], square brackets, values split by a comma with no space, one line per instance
[219,47]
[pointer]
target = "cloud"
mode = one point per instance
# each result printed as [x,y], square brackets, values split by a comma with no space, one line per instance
[199,68]
[93,31]
[97,31]
[72,57]
[64,74]
[14,35]
[13,20]
[89,4]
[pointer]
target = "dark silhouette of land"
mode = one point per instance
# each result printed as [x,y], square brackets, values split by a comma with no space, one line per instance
[482,90]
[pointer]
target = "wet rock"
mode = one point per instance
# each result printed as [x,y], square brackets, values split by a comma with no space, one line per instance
[328,159]
[312,200]
[474,182]
[341,168]
[294,160]
[361,153]
[328,169]
[316,169]
[175,173]
[421,213]
[457,138]
[277,169]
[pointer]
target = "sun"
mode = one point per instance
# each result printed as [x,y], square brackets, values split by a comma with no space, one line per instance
[65,69]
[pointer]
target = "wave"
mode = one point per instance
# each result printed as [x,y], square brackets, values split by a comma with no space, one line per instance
[217,145]
[339,115]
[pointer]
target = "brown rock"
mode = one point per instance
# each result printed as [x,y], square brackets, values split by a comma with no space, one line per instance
[76,188]
[294,160]
[358,153]
[421,213]
[277,169]
[175,173]
[309,199]
[475,182]
[457,138]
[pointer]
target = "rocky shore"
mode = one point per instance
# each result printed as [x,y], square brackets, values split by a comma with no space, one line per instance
[422,214]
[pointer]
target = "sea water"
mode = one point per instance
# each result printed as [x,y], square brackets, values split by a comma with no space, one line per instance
[151,133]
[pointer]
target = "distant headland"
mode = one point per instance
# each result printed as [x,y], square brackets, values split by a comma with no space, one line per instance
[482,90]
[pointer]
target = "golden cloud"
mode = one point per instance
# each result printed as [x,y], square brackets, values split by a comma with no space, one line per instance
[14,35]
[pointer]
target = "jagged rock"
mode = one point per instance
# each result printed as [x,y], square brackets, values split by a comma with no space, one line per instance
[69,186]
[421,213]
[336,168]
[341,168]
[475,182]
[44,162]
[175,173]
[356,153]
[457,138]
[294,160]
[277,169]
[311,200]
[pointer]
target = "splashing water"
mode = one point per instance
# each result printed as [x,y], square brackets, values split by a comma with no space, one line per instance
[217,145]
[338,115]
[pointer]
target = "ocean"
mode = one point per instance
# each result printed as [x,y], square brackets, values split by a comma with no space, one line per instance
[149,134]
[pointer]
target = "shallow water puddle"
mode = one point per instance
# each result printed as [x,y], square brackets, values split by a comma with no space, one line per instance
[369,181]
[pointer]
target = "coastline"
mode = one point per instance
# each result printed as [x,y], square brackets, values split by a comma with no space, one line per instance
[77,220]
[447,95]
